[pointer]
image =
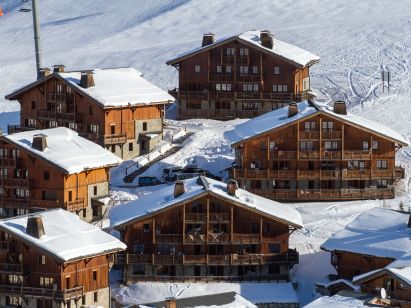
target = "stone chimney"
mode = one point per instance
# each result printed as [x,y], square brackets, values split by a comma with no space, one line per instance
[35,226]
[44,72]
[179,189]
[266,39]
[87,79]
[208,39]
[39,142]
[292,110]
[232,186]
[59,68]
[171,302]
[340,107]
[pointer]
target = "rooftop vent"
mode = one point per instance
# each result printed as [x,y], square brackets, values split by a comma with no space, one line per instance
[39,142]
[232,186]
[87,79]
[208,39]
[35,226]
[292,110]
[59,68]
[179,189]
[171,302]
[266,39]
[340,107]
[44,72]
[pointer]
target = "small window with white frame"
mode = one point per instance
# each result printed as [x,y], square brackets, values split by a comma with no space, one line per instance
[73,126]
[197,68]
[365,146]
[309,126]
[243,69]
[53,124]
[31,122]
[275,89]
[328,126]
[381,164]
[255,87]
[243,51]
[228,69]
[276,70]
[219,68]
[255,69]
[218,87]
[230,51]
[375,144]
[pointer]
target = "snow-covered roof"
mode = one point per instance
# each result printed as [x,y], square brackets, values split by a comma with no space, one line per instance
[285,50]
[117,87]
[66,237]
[404,274]
[194,188]
[377,232]
[336,301]
[66,149]
[279,118]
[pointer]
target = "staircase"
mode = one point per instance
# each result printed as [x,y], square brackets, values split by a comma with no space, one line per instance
[176,146]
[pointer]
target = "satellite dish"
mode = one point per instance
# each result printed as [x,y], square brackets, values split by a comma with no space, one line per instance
[383,293]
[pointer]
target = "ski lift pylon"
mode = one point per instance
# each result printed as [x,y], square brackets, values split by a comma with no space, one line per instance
[25,6]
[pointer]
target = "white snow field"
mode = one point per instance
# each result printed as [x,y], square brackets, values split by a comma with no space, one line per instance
[355,40]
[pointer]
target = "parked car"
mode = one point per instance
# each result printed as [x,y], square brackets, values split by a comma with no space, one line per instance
[191,171]
[169,173]
[149,181]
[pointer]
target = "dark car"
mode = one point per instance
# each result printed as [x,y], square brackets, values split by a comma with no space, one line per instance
[191,171]
[148,181]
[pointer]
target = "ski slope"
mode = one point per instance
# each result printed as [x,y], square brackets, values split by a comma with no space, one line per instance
[356,40]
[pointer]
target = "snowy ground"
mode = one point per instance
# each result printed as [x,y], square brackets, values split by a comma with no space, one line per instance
[356,40]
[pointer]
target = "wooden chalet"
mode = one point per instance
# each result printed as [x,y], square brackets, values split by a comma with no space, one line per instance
[373,241]
[54,168]
[242,76]
[309,151]
[54,260]
[203,229]
[116,108]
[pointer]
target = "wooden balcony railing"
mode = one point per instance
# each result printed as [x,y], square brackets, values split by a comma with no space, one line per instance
[54,115]
[195,259]
[219,217]
[356,174]
[309,135]
[331,135]
[167,278]
[357,155]
[309,155]
[195,238]
[56,97]
[219,237]
[120,138]
[308,174]
[12,129]
[399,173]
[14,203]
[283,155]
[139,258]
[282,97]
[221,77]
[331,174]
[167,259]
[200,95]
[10,161]
[219,260]
[169,238]
[71,206]
[254,78]
[50,293]
[330,155]
[246,238]
[248,95]
[195,217]
[11,268]
[15,183]
[382,174]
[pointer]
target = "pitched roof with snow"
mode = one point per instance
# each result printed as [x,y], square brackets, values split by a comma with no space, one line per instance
[194,188]
[336,301]
[287,51]
[66,149]
[66,238]
[279,118]
[378,232]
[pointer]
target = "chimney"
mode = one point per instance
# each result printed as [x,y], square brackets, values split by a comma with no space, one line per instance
[340,107]
[292,110]
[171,302]
[266,39]
[39,142]
[35,226]
[208,39]
[59,68]
[87,79]
[232,186]
[44,72]
[179,189]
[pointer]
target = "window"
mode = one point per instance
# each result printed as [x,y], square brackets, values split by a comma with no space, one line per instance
[230,51]
[255,69]
[138,269]
[309,126]
[68,90]
[197,68]
[263,145]
[15,279]
[218,87]
[72,126]
[219,68]
[138,248]
[3,153]
[146,228]
[375,144]
[95,297]
[46,281]
[52,124]
[255,87]
[328,126]
[275,88]
[331,145]
[93,128]
[272,146]
[306,145]
[13,301]
[42,259]
[223,87]
[243,51]
[130,147]
[267,227]
[21,193]
[90,110]
[243,69]
[276,70]
[228,69]
[59,88]
[3,172]
[46,175]
[250,105]
[280,88]
[365,145]
[94,275]
[274,248]
[33,104]
[144,126]
[381,164]
[95,190]
[382,183]
[113,149]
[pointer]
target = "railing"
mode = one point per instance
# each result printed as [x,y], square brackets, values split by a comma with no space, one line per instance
[331,134]
[12,182]
[195,259]
[63,116]
[203,94]
[248,95]
[195,238]
[331,154]
[139,258]
[275,193]
[167,259]
[308,174]
[309,154]
[197,217]
[14,203]
[399,173]
[11,129]
[255,78]
[331,174]
[282,97]
[219,260]
[309,135]
[10,162]
[219,217]
[10,268]
[169,238]
[75,205]
[56,97]
[222,77]
[356,174]
[283,155]
[219,237]
[387,174]
[214,278]
[120,138]
[66,294]
[246,238]
[228,59]
[357,154]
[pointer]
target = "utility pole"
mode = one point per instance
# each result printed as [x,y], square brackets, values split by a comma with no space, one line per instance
[36,27]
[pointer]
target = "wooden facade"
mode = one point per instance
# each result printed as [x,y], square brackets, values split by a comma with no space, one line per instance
[53,101]
[207,238]
[318,157]
[237,79]
[29,183]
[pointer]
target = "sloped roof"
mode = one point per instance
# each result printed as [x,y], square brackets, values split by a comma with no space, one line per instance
[66,149]
[66,238]
[194,188]
[287,51]
[378,232]
[114,87]
[279,118]
[403,274]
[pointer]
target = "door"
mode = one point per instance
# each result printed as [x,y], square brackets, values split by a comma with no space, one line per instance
[112,129]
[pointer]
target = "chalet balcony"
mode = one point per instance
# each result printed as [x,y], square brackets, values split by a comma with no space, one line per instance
[282,174]
[254,78]
[48,293]
[10,161]
[195,94]
[195,259]
[329,135]
[275,193]
[71,206]
[139,258]
[12,129]
[281,97]
[222,95]
[357,155]
[357,174]
[331,155]
[195,238]
[219,259]
[251,173]
[331,174]
[167,278]
[119,138]
[14,203]
[308,174]
[382,174]
[219,217]
[219,237]
[309,155]
[222,77]
[169,238]
[399,173]
[59,116]
[195,217]
[11,268]
[16,183]
[283,155]
[247,95]
[309,135]
[246,238]
[167,259]
[56,97]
